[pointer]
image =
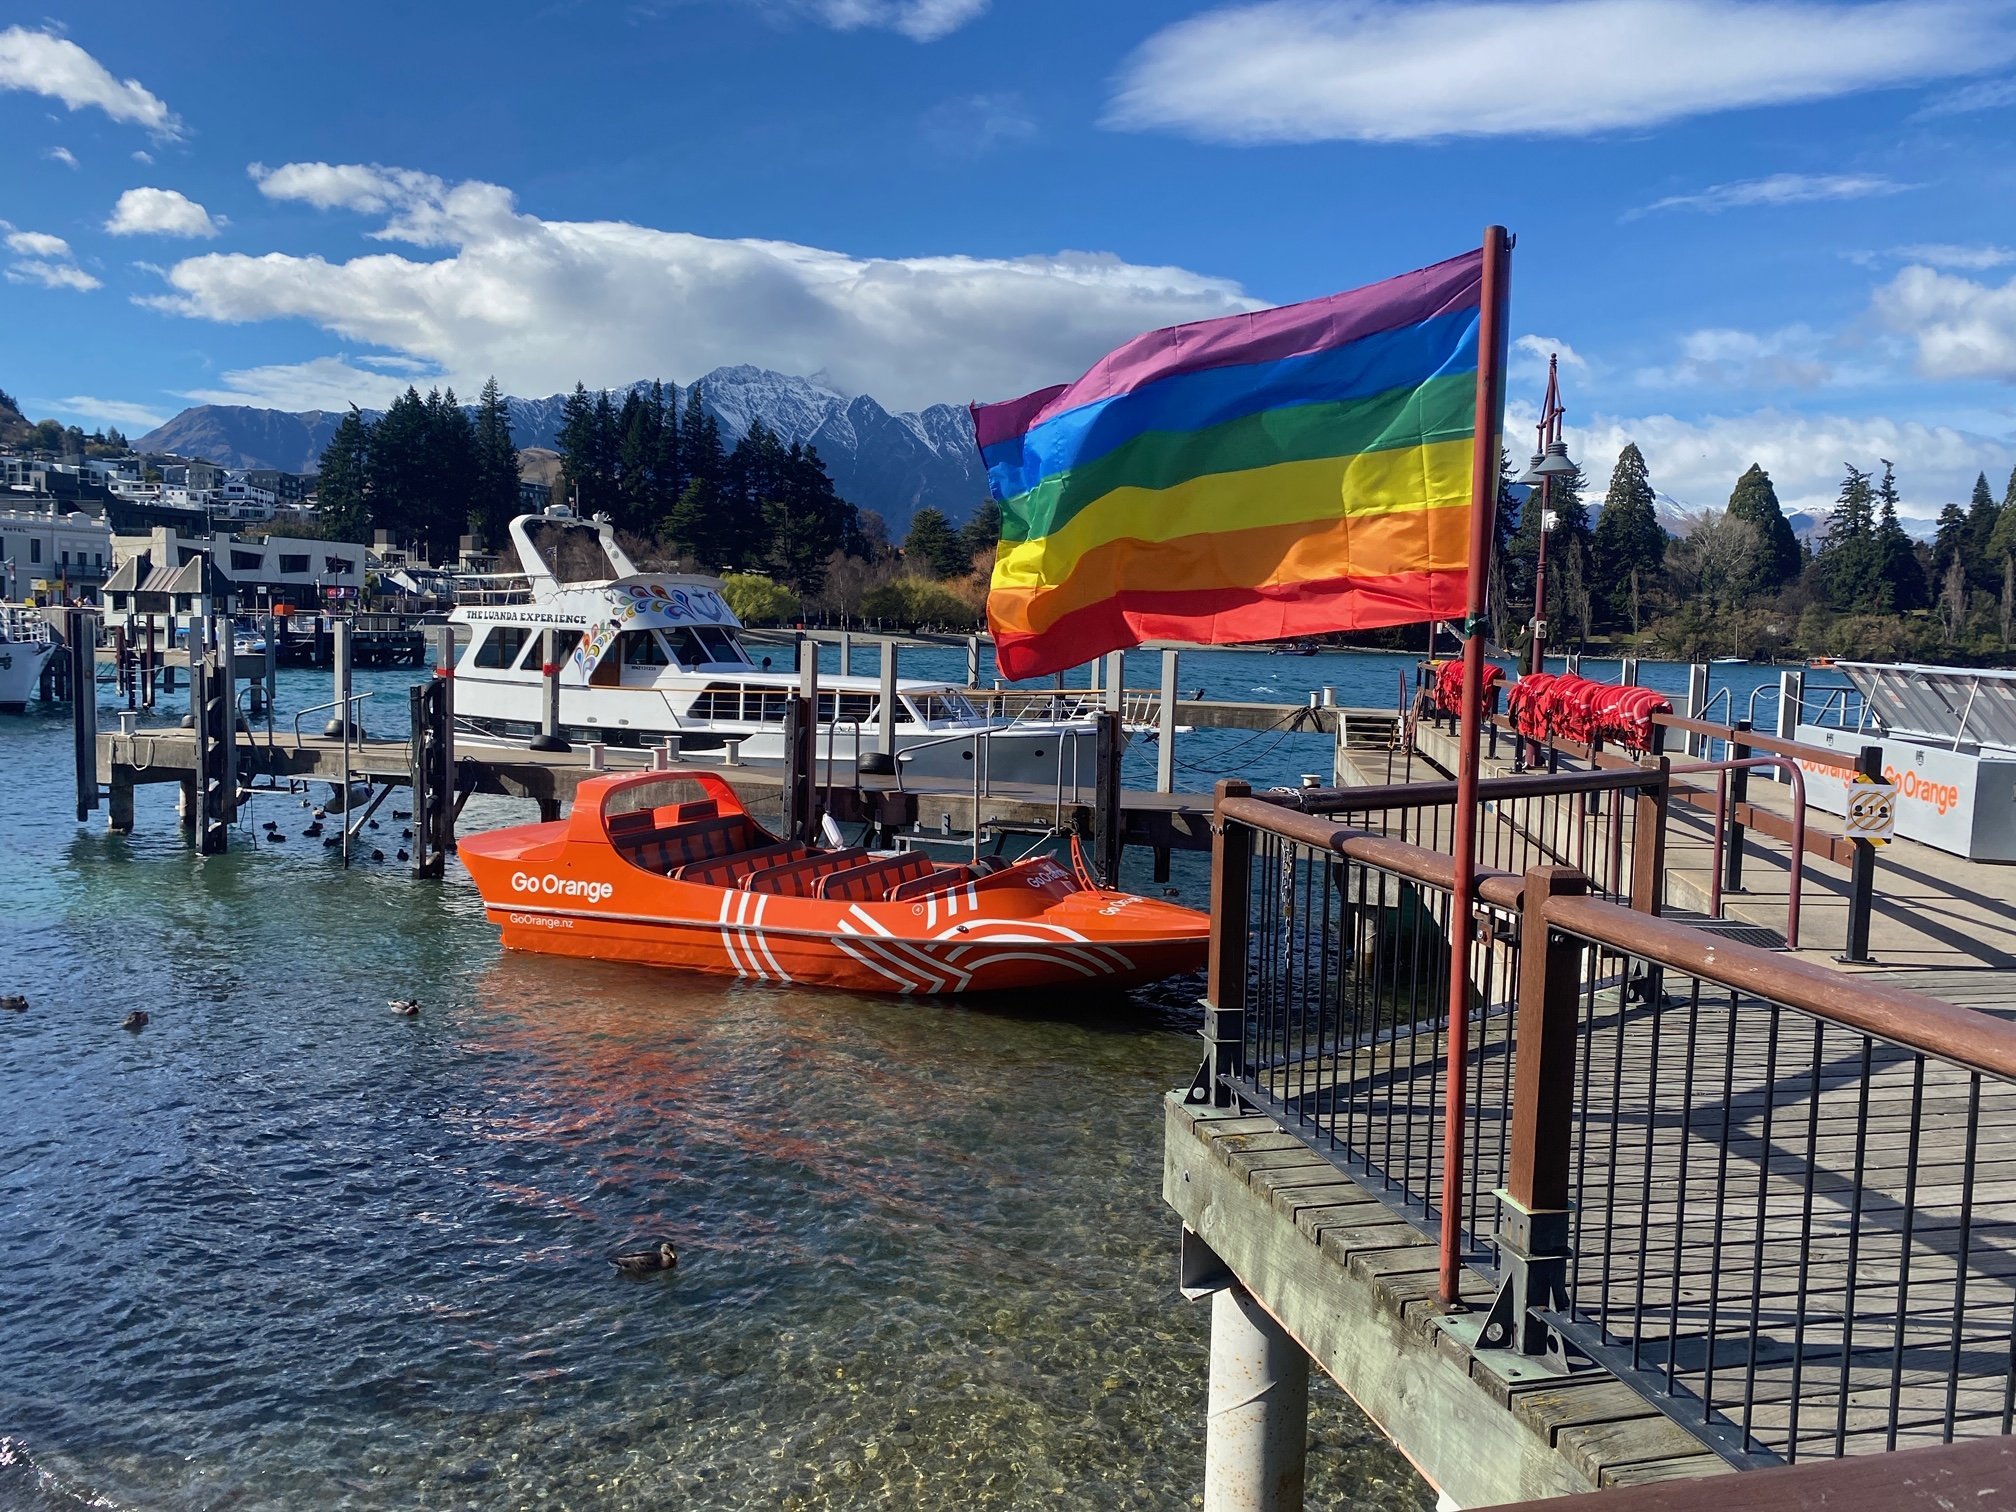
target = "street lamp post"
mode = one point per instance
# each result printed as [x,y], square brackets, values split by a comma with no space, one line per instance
[1550,461]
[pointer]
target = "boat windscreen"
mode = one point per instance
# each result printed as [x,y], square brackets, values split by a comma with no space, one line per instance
[659,793]
[572,551]
[1949,705]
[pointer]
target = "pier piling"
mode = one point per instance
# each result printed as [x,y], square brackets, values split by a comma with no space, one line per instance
[1257,1436]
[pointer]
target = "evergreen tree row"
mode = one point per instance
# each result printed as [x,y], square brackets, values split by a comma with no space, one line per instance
[424,472]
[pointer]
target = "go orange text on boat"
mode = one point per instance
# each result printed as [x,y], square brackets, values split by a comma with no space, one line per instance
[668,869]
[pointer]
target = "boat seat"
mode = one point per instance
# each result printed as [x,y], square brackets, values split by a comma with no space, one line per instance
[872,880]
[730,869]
[942,879]
[796,879]
[662,851]
[690,810]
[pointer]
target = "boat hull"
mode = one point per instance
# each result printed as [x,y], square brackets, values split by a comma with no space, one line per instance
[867,961]
[673,889]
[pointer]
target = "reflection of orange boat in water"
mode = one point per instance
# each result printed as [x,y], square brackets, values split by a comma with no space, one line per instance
[666,868]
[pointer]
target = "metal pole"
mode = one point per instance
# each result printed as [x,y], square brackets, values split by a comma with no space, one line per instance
[1791,695]
[1116,680]
[1257,1419]
[1540,579]
[272,663]
[1862,871]
[885,734]
[1165,733]
[1739,796]
[846,654]
[972,661]
[549,737]
[339,659]
[1483,498]
[1697,705]
[807,760]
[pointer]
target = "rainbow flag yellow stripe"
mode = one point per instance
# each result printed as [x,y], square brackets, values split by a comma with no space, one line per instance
[1281,473]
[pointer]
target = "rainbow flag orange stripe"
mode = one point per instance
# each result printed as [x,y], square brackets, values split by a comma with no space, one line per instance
[1281,473]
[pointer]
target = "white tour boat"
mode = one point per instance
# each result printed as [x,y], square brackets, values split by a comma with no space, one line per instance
[25,648]
[648,657]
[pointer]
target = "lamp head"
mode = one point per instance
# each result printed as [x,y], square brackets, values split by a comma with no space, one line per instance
[1554,464]
[1532,473]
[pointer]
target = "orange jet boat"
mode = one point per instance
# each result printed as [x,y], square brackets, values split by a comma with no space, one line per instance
[644,870]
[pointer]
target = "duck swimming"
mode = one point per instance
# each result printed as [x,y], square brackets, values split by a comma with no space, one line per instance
[13,1002]
[405,1007]
[136,1020]
[645,1260]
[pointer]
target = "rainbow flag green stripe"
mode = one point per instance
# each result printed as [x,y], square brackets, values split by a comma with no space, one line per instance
[1277,473]
[1443,409]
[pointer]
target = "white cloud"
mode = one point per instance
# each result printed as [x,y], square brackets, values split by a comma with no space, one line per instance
[38,244]
[1530,354]
[1961,329]
[1698,461]
[1949,255]
[143,156]
[919,20]
[43,63]
[1791,357]
[1389,71]
[544,303]
[52,275]
[110,411]
[160,212]
[1990,94]
[61,155]
[973,124]
[324,383]
[1778,189]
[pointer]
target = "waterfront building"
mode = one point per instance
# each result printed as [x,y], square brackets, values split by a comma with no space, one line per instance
[251,576]
[50,555]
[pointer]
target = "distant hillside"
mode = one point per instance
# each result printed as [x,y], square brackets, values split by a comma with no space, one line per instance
[14,426]
[894,464]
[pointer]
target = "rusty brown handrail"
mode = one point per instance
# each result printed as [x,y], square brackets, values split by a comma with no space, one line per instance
[1818,756]
[1913,1020]
[1415,863]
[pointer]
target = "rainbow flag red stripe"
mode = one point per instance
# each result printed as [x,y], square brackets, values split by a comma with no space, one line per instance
[1280,473]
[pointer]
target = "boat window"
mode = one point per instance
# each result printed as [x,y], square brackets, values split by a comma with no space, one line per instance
[937,706]
[501,646]
[564,642]
[722,646]
[642,648]
[853,708]
[686,646]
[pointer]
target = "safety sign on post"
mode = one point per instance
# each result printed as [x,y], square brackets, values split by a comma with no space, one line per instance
[1872,810]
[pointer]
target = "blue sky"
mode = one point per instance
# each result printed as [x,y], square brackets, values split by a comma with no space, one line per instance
[1776,232]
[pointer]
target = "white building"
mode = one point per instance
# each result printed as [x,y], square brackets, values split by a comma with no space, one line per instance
[249,576]
[52,557]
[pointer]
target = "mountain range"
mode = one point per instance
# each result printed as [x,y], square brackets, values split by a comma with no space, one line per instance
[894,464]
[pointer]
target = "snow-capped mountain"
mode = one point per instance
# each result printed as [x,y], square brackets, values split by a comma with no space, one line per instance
[894,464]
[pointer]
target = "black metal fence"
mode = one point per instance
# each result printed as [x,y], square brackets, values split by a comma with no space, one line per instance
[1790,1218]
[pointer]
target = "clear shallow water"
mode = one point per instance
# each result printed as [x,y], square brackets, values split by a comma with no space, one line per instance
[284,1249]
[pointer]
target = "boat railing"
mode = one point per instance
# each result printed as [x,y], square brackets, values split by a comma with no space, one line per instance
[493,589]
[26,626]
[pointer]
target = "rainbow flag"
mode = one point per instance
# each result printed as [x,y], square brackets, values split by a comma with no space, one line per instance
[1258,476]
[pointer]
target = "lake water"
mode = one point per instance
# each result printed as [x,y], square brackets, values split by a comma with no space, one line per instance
[285,1249]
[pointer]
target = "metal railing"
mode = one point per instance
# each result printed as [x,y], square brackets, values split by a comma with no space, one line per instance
[1769,1197]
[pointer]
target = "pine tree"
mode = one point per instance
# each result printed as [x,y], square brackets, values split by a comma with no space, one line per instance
[1629,544]
[1848,564]
[1949,540]
[400,488]
[932,546]
[668,471]
[694,522]
[700,453]
[576,440]
[982,533]
[1902,580]
[637,502]
[807,521]
[343,483]
[1755,502]
[1982,515]
[495,492]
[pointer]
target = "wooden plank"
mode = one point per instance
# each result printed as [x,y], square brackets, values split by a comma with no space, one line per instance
[1597,1447]
[1579,1400]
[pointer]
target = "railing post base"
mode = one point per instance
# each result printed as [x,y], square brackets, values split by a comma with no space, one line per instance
[1533,1257]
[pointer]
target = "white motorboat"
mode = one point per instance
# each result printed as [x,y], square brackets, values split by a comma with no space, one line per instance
[25,648]
[648,657]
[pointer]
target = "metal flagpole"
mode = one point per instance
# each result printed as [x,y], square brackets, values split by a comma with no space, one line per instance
[1462,924]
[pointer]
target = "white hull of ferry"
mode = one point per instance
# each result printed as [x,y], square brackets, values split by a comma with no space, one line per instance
[21,664]
[643,658]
